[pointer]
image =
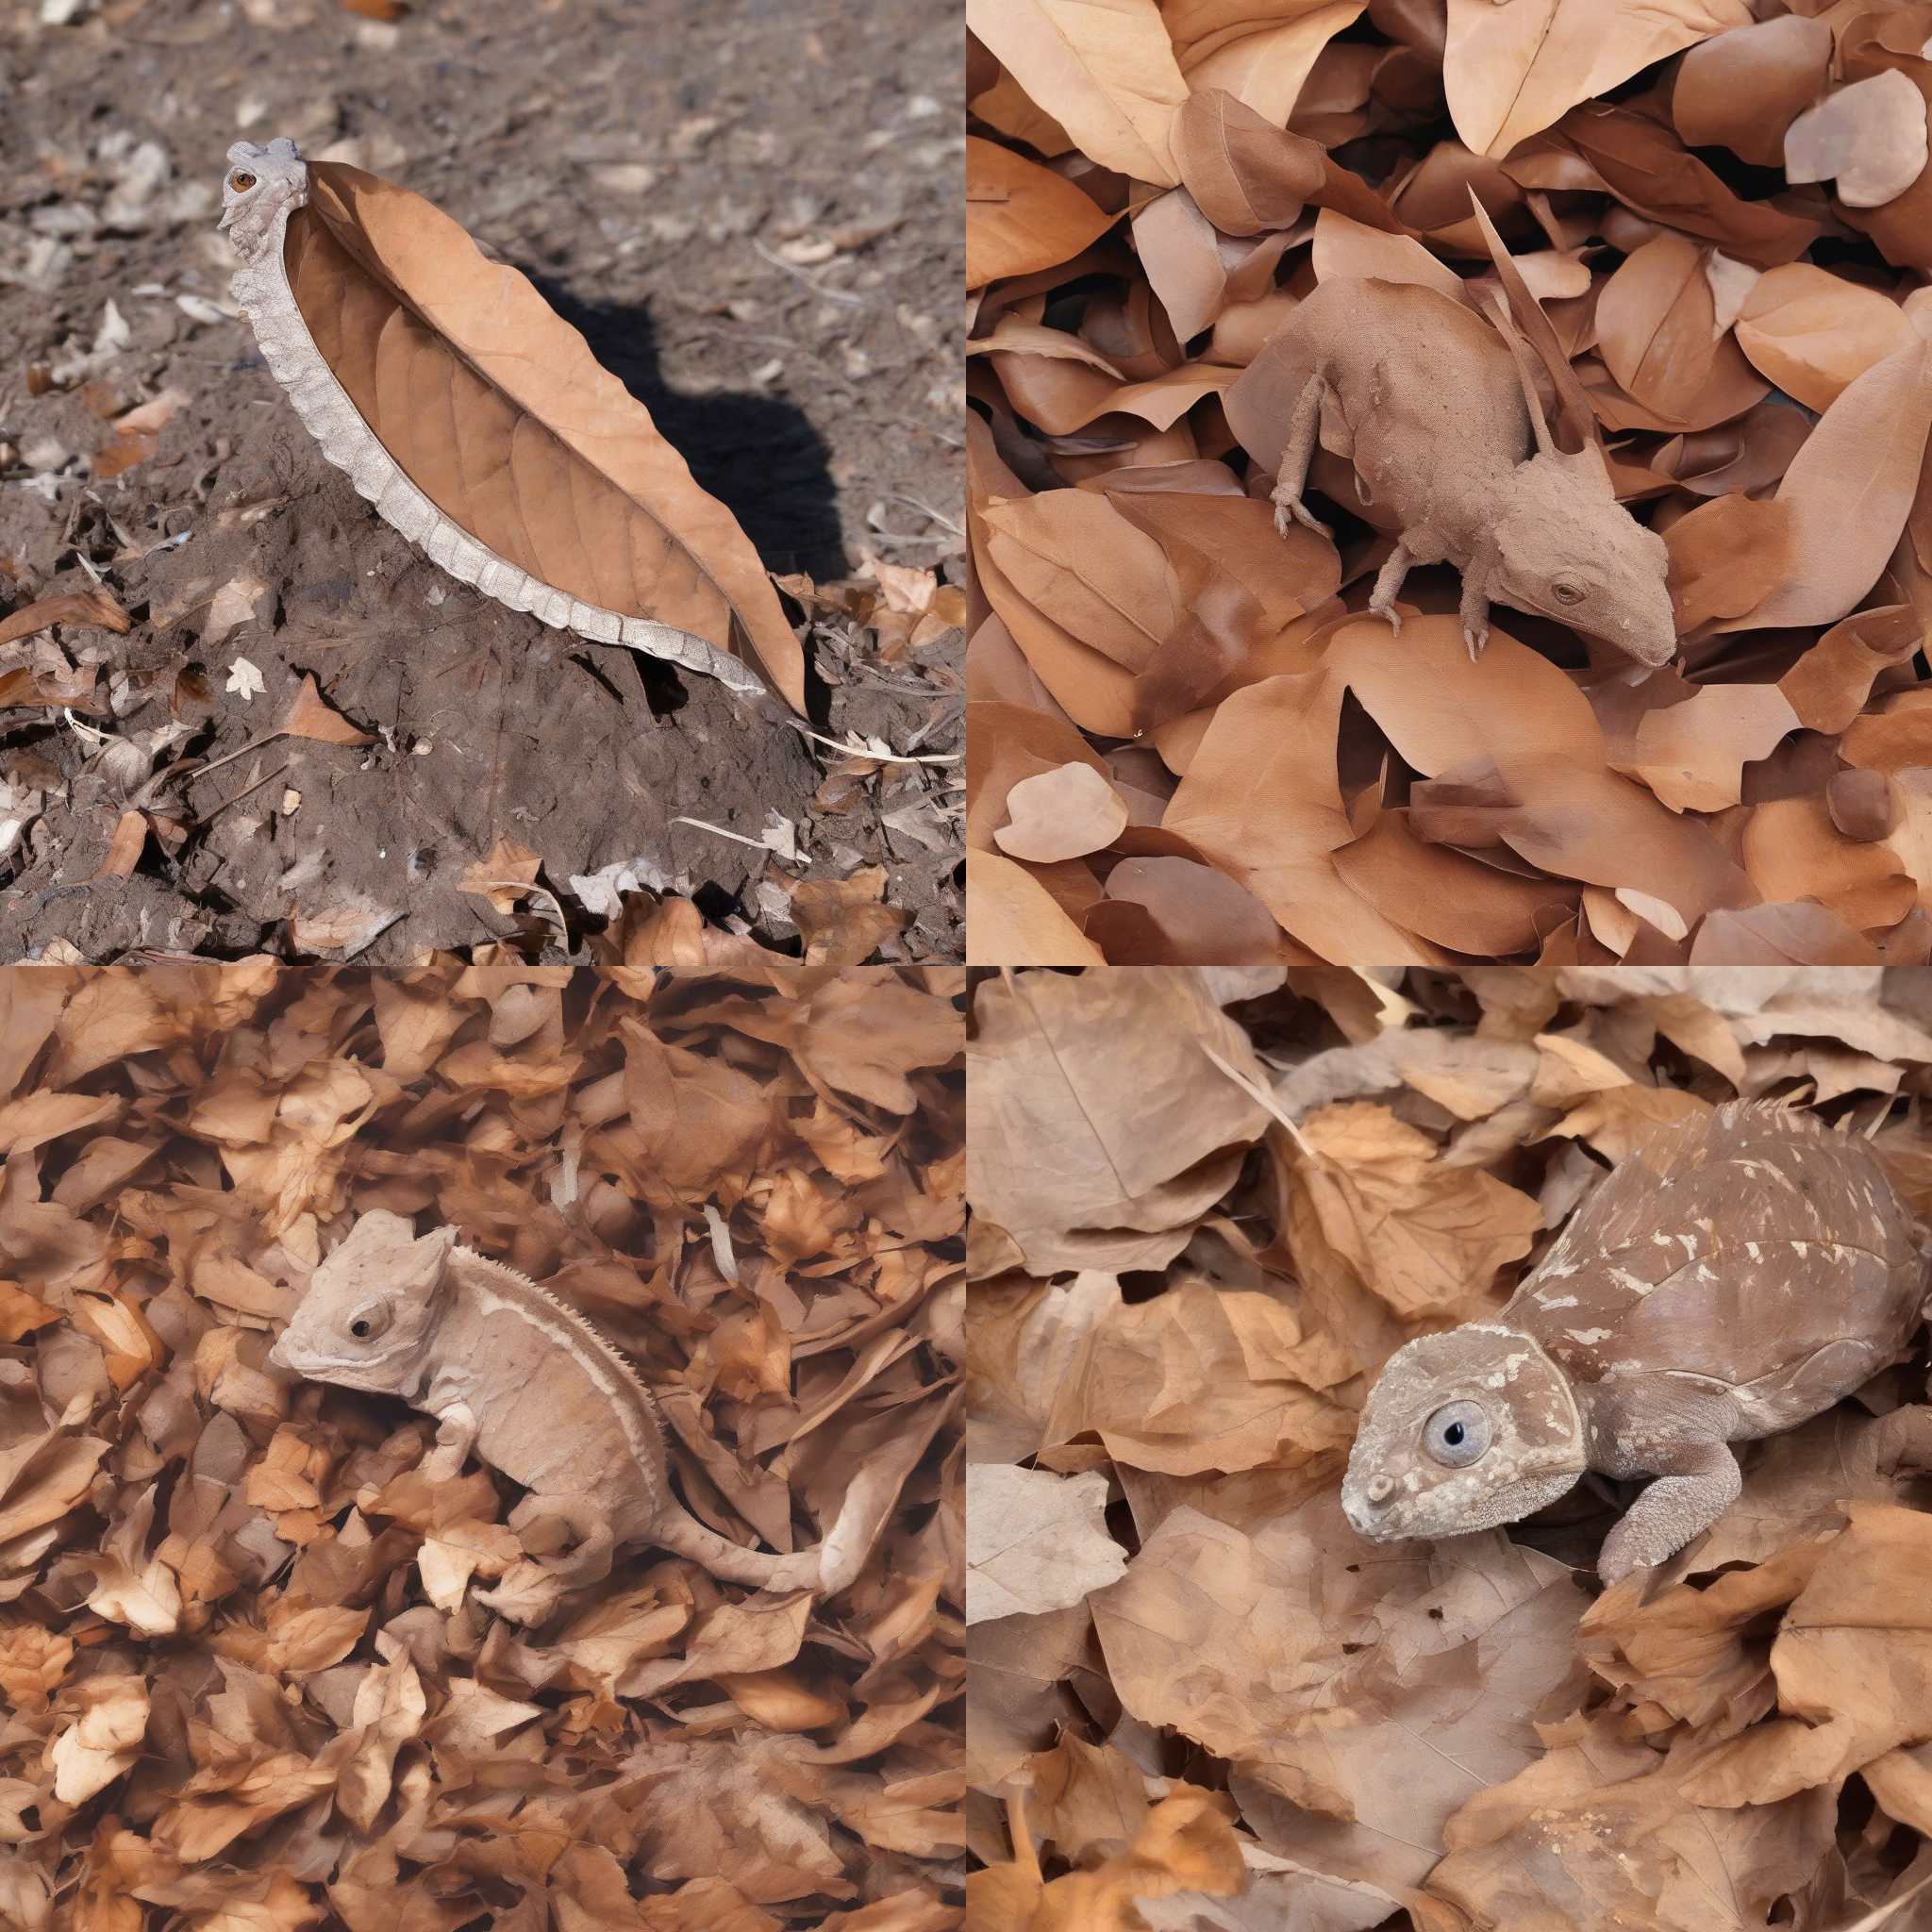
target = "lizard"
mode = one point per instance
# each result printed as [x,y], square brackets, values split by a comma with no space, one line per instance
[1440,415]
[535,1390]
[1734,1277]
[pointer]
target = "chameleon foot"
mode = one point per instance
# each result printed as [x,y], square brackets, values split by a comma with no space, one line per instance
[1288,509]
[1389,611]
[1476,639]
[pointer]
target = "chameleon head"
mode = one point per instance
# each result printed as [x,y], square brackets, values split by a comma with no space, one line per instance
[1568,549]
[259,184]
[1463,1431]
[369,1309]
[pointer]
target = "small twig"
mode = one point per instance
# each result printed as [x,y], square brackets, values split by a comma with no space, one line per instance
[798,275]
[227,758]
[1263,1099]
[879,757]
[737,838]
[226,803]
[926,509]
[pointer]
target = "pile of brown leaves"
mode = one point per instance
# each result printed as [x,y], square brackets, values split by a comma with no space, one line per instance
[1198,1699]
[243,1678]
[1188,745]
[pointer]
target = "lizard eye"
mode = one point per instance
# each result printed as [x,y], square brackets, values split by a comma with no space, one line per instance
[240,180]
[1568,592]
[368,1321]
[1457,1435]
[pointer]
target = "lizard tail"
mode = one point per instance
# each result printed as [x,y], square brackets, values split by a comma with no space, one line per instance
[826,1568]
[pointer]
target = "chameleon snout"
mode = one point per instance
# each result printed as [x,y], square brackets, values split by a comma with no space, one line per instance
[1363,1507]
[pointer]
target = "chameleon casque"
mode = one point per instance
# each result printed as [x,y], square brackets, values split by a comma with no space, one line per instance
[1440,415]
[1735,1277]
[532,1387]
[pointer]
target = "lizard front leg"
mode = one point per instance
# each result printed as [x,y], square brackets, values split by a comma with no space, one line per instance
[1389,584]
[1476,574]
[456,1436]
[1701,1483]
[1296,455]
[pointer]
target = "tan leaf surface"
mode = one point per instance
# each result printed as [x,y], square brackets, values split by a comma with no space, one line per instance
[1513,68]
[1035,1542]
[1104,69]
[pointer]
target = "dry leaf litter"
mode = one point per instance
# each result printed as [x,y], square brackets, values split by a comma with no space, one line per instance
[1190,741]
[1207,1205]
[245,1679]
[179,559]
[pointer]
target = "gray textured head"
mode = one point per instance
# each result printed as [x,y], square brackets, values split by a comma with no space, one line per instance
[260,183]
[369,1309]
[1463,1431]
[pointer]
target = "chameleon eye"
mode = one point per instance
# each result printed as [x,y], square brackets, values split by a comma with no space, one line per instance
[1457,1435]
[240,180]
[1568,592]
[368,1321]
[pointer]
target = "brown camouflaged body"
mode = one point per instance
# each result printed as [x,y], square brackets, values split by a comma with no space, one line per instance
[1753,1251]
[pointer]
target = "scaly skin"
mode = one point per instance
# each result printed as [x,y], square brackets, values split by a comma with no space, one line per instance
[1735,1279]
[512,1374]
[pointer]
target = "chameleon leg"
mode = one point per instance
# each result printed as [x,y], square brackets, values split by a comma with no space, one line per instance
[1295,457]
[1683,1502]
[536,1517]
[455,1435]
[1475,604]
[1389,585]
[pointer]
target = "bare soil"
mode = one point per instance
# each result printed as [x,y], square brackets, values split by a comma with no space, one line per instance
[752,211]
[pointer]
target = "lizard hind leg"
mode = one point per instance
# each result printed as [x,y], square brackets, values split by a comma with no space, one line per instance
[1389,585]
[545,1525]
[1297,453]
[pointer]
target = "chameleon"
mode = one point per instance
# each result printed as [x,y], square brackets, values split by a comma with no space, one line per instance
[535,1390]
[1440,415]
[1734,1277]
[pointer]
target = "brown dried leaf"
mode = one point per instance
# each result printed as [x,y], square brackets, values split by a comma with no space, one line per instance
[1742,88]
[311,715]
[1103,1157]
[1868,139]
[1813,333]
[1062,813]
[1259,51]
[1106,73]
[1021,217]
[495,408]
[1511,70]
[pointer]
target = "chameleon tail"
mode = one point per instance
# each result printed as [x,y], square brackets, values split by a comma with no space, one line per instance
[826,1568]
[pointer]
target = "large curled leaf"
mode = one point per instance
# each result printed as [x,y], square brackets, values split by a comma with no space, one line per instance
[496,409]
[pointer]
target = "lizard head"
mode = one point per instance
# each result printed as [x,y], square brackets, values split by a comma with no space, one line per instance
[369,1309]
[259,184]
[1566,548]
[1463,1431]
